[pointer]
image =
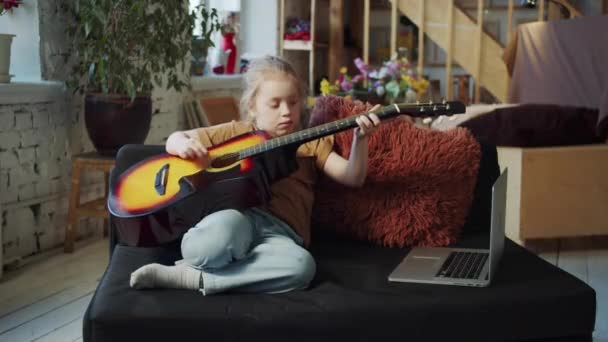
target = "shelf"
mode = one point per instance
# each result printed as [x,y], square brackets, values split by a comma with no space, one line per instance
[305,45]
[302,45]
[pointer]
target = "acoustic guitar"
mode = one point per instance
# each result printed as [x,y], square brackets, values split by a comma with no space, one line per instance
[246,163]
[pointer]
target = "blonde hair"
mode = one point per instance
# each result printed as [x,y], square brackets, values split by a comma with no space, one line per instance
[258,71]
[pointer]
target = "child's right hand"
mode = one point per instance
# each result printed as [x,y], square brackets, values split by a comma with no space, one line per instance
[187,147]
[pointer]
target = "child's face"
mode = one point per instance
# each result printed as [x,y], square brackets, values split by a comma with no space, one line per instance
[277,105]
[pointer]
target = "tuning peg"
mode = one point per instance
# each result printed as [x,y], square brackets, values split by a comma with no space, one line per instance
[444,101]
[417,103]
[421,109]
[430,102]
[434,108]
[447,106]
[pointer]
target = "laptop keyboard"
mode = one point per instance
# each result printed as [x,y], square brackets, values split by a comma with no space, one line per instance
[464,265]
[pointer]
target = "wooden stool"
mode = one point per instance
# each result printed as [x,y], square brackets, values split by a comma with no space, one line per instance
[95,208]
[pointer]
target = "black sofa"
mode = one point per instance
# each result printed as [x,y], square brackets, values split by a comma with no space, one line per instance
[350,298]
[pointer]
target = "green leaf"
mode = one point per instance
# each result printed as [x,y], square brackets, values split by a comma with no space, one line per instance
[130,87]
[127,46]
[91,72]
[97,12]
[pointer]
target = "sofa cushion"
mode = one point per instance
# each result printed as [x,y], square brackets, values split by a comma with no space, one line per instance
[349,300]
[419,186]
[534,125]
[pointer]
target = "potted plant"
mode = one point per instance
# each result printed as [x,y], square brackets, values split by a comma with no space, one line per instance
[6,40]
[210,23]
[121,50]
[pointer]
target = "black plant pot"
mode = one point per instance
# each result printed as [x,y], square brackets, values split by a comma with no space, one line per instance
[113,120]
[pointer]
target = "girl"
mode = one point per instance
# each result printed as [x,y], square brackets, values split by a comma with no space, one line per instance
[260,249]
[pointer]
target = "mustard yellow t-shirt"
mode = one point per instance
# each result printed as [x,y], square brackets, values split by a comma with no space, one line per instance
[291,197]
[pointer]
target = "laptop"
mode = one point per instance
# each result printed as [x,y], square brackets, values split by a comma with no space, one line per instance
[459,266]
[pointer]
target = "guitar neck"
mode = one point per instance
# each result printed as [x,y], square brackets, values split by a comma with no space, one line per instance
[313,133]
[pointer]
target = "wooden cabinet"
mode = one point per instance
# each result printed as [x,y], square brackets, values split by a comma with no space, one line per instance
[556,192]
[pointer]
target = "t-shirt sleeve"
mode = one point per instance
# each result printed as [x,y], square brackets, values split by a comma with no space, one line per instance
[214,135]
[323,148]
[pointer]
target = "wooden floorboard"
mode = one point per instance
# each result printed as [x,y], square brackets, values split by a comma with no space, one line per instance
[46,299]
[44,279]
[71,331]
[49,322]
[45,306]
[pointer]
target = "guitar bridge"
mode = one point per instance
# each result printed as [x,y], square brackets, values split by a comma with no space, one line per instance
[160,183]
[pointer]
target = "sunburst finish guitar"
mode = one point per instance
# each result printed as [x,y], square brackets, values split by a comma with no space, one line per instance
[161,181]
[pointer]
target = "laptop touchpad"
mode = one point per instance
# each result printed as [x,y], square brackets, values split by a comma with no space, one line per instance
[423,265]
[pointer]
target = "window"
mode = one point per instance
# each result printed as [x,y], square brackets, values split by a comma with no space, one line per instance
[25,48]
[225,57]
[257,25]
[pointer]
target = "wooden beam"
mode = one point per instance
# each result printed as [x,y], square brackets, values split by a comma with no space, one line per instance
[311,59]
[336,37]
[605,10]
[450,52]
[509,20]
[393,27]
[282,27]
[421,39]
[574,12]
[478,50]
[366,31]
[554,11]
[541,10]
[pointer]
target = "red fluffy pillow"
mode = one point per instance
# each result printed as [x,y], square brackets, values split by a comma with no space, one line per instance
[419,186]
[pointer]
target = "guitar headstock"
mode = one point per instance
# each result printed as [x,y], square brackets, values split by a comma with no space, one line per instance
[430,109]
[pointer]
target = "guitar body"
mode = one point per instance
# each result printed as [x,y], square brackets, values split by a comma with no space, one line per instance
[163,180]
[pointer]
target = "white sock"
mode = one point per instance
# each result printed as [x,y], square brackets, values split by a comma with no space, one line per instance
[160,276]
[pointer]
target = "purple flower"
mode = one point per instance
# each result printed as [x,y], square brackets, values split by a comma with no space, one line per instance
[394,67]
[358,78]
[362,66]
[346,85]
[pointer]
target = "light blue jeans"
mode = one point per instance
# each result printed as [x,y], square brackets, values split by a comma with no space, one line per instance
[247,251]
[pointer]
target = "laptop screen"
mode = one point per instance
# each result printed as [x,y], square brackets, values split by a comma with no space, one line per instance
[497,228]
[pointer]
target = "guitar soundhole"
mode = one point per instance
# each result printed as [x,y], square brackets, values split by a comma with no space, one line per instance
[225,160]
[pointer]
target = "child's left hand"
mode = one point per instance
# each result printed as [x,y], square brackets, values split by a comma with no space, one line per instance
[367,123]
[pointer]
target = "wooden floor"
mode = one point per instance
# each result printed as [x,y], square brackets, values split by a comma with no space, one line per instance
[46,299]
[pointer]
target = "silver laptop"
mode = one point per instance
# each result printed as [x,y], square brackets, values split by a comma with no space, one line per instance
[459,266]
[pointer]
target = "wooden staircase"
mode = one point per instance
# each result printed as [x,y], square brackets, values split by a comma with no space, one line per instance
[493,71]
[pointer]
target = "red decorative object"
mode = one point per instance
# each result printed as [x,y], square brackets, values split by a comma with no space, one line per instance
[298,36]
[8,5]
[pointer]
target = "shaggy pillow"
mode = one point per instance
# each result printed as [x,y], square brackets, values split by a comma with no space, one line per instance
[419,186]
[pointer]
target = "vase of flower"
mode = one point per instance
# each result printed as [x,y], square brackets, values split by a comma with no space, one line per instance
[394,82]
[410,96]
[6,40]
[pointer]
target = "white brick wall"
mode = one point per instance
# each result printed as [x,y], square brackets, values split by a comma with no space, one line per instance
[37,141]
[31,175]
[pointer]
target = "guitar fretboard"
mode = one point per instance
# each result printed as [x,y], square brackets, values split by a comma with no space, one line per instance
[319,131]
